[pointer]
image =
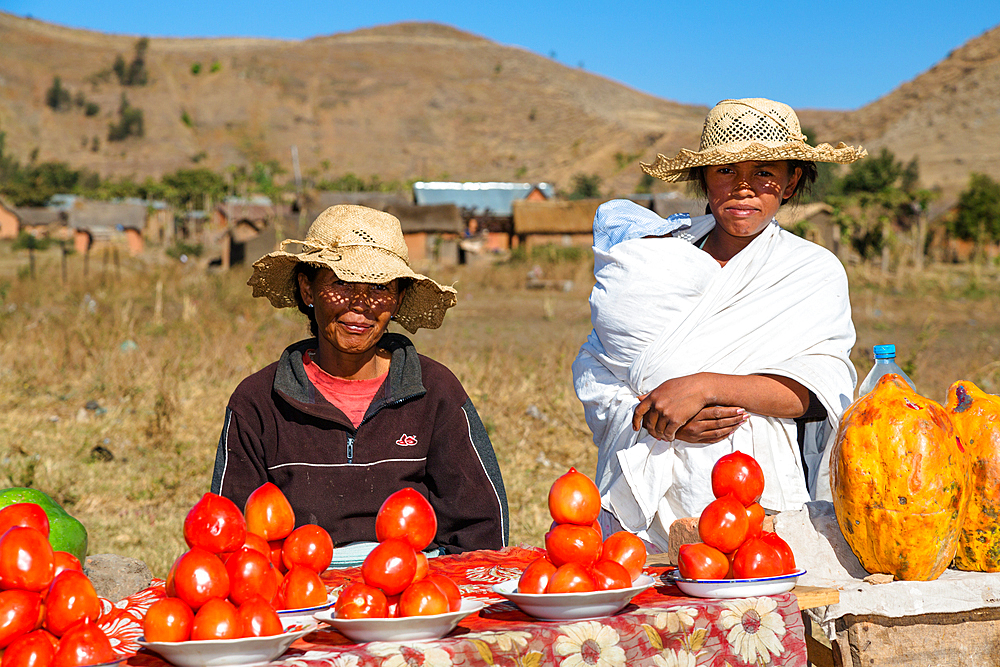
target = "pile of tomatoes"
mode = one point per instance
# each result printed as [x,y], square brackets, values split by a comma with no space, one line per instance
[396,580]
[241,567]
[734,543]
[577,559]
[48,606]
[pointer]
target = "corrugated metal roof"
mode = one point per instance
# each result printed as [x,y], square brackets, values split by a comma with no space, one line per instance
[494,198]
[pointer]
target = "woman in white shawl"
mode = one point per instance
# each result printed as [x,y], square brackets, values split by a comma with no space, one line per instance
[715,333]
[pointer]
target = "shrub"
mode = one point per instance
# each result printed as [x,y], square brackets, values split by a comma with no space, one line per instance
[978,214]
[585,186]
[58,98]
[130,122]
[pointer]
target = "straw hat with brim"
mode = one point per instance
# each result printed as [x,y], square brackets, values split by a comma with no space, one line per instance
[360,245]
[753,129]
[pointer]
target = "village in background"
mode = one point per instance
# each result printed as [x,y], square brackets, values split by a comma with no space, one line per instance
[871,213]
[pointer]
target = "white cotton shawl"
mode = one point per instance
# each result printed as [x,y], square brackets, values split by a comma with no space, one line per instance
[662,308]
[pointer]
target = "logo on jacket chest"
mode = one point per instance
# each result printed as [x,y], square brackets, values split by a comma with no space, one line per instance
[407,440]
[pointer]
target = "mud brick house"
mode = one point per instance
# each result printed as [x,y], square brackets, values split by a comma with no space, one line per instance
[10,222]
[98,223]
[490,204]
[567,223]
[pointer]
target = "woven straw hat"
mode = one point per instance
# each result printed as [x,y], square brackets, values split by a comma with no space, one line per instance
[749,129]
[360,245]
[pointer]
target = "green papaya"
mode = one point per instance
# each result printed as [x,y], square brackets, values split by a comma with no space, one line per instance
[65,532]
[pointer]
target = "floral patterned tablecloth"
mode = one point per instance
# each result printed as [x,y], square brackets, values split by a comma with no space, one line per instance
[661,627]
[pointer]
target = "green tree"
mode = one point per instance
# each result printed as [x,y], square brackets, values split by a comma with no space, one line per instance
[58,98]
[978,215]
[135,73]
[585,186]
[187,187]
[873,175]
[876,200]
[130,122]
[26,241]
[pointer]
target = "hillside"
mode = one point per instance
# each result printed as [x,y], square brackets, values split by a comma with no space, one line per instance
[424,101]
[947,117]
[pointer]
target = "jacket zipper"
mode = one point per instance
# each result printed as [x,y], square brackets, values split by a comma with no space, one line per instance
[351,437]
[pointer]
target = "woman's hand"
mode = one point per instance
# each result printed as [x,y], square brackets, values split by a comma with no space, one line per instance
[666,409]
[712,424]
[707,407]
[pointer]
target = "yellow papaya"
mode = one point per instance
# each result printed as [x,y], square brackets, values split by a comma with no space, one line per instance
[900,481]
[976,417]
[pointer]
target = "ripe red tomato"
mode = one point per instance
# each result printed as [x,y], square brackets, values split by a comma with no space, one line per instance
[627,550]
[199,576]
[724,524]
[571,578]
[268,513]
[276,578]
[217,619]
[570,543]
[390,566]
[62,561]
[258,543]
[35,649]
[28,515]
[19,611]
[168,585]
[701,561]
[250,574]
[25,559]
[71,598]
[392,605]
[740,475]
[275,548]
[756,558]
[258,618]
[406,515]
[536,576]
[167,620]
[449,588]
[215,524]
[609,574]
[785,551]
[302,588]
[423,567]
[423,598]
[359,600]
[574,498]
[755,517]
[83,644]
[309,546]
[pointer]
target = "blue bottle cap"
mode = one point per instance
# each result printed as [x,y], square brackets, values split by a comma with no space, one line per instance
[884,351]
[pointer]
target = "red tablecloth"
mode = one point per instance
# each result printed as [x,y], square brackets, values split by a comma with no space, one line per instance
[661,627]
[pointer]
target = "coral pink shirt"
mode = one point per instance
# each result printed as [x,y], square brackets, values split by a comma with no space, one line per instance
[352,396]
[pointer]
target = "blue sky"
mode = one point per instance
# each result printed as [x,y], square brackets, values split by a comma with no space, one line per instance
[809,54]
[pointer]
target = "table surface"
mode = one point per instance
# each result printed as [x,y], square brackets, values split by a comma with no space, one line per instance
[661,627]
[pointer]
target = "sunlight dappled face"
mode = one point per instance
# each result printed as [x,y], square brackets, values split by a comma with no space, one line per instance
[744,196]
[351,316]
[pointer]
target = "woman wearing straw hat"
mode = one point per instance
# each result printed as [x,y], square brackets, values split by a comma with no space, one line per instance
[347,417]
[716,333]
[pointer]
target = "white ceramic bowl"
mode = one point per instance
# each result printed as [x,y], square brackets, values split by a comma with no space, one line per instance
[303,616]
[405,629]
[226,652]
[738,588]
[572,606]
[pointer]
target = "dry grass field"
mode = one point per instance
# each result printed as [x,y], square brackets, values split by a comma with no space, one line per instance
[113,385]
